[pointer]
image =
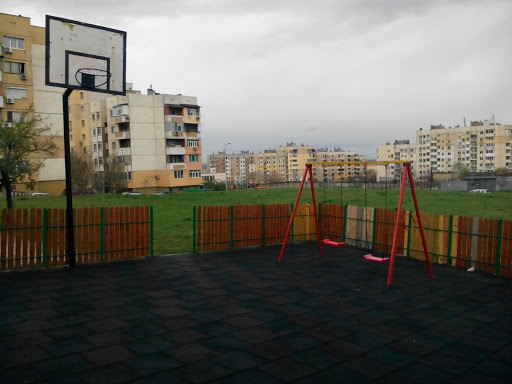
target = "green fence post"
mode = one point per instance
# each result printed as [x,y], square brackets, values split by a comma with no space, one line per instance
[345,223]
[450,237]
[194,230]
[263,224]
[150,231]
[374,227]
[500,240]
[409,224]
[44,236]
[102,233]
[291,205]
[231,229]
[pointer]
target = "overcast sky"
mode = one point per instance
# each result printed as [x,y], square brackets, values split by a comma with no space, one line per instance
[351,74]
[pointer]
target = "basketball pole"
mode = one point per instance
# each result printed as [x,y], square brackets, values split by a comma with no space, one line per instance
[69,187]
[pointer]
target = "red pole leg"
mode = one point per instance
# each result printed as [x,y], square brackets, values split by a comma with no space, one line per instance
[293,215]
[308,166]
[397,223]
[420,223]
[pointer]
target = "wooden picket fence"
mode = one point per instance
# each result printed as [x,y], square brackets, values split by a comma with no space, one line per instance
[464,242]
[37,237]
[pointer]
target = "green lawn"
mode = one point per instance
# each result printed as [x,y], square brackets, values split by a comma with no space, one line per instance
[173,213]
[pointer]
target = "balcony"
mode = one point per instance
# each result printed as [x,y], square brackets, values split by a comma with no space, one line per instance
[175,166]
[122,119]
[174,134]
[176,150]
[122,135]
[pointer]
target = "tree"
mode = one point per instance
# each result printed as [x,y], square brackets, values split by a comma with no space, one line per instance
[82,170]
[24,144]
[256,177]
[272,177]
[371,175]
[461,170]
[112,179]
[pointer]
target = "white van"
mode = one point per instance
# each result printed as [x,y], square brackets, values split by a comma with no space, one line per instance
[479,191]
[38,194]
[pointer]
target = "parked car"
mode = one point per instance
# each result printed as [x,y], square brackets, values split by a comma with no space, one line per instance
[132,193]
[36,194]
[80,191]
[479,191]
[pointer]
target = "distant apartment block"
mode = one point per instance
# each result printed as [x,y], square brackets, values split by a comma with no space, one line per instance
[401,150]
[22,85]
[484,146]
[285,163]
[481,147]
[155,138]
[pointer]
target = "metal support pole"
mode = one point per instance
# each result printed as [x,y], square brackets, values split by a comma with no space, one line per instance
[69,187]
[309,168]
[293,215]
[397,222]
[407,166]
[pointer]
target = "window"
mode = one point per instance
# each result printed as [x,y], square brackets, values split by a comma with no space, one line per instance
[81,95]
[12,67]
[83,137]
[14,43]
[112,128]
[101,160]
[93,117]
[113,145]
[100,146]
[193,158]
[195,173]
[13,117]
[94,148]
[178,174]
[94,131]
[126,175]
[99,131]
[16,93]
[83,123]
[193,143]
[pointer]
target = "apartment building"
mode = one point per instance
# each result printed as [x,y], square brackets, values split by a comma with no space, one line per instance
[154,137]
[401,150]
[22,85]
[482,147]
[286,163]
[339,172]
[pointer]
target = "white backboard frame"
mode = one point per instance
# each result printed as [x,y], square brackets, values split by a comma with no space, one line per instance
[72,46]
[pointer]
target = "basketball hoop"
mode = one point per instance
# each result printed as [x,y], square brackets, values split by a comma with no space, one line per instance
[86,77]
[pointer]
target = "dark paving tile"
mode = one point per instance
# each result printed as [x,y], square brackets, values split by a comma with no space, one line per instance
[191,352]
[271,350]
[185,336]
[250,376]
[203,372]
[152,363]
[287,369]
[114,337]
[148,345]
[115,373]
[23,356]
[243,321]
[107,355]
[237,360]
[67,346]
[226,343]
[62,366]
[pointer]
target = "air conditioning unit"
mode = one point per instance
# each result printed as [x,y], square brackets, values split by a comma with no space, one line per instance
[7,49]
[195,149]
[23,76]
[7,125]
[176,133]
[10,101]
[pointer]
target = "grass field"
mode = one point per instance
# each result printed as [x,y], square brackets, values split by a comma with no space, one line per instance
[173,213]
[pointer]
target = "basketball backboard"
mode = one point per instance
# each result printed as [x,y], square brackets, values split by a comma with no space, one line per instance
[85,56]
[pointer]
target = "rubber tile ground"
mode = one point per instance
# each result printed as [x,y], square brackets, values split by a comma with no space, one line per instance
[241,317]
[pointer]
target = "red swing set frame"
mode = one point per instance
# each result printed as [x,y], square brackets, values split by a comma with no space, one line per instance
[406,174]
